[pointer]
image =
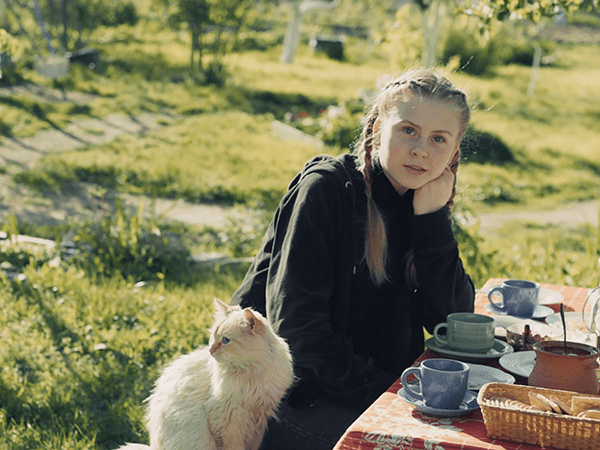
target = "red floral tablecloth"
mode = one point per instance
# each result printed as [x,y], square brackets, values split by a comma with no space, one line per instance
[390,423]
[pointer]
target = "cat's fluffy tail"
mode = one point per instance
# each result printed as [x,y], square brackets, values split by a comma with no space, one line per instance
[134,447]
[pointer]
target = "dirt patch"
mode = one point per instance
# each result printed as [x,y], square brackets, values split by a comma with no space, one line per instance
[569,215]
[81,201]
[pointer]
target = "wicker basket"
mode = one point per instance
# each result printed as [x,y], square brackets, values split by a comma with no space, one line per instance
[534,427]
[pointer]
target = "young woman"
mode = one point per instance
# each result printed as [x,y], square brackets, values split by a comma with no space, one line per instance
[360,256]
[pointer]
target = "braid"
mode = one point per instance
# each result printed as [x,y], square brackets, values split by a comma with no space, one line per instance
[367,164]
[376,235]
[454,168]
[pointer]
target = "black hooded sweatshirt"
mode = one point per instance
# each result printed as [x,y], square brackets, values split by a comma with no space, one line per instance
[350,339]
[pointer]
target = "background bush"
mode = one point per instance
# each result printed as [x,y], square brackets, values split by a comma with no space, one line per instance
[479,53]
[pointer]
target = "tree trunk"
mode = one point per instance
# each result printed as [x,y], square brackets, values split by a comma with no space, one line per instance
[195,47]
[292,35]
[65,25]
[433,19]
[535,71]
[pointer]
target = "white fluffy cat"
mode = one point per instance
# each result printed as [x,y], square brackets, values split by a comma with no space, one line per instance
[220,397]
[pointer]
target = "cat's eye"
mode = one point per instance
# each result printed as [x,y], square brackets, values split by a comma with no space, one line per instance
[225,340]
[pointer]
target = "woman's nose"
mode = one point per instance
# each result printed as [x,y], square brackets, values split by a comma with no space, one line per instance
[419,149]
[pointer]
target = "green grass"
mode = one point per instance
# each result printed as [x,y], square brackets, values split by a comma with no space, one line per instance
[78,357]
[552,133]
[309,75]
[526,250]
[226,157]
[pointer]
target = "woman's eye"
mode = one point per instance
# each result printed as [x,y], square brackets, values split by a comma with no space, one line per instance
[409,130]
[225,340]
[439,139]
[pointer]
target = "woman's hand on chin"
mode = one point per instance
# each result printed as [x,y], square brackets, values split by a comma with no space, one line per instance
[434,195]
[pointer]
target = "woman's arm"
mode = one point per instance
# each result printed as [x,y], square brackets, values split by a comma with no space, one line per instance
[444,287]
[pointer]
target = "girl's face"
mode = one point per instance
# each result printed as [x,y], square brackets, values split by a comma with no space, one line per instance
[419,137]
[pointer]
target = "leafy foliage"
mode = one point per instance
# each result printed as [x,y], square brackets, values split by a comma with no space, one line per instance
[488,10]
[480,54]
[337,126]
[51,27]
[9,54]
[214,27]
[130,246]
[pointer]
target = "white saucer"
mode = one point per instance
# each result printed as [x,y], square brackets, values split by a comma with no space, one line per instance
[468,404]
[537,327]
[577,331]
[519,363]
[499,349]
[549,297]
[480,375]
[539,311]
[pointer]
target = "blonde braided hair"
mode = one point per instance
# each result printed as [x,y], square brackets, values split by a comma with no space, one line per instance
[426,84]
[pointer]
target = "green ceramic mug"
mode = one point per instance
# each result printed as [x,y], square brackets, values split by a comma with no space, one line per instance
[466,332]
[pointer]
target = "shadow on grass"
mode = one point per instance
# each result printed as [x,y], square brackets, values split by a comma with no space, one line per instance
[40,111]
[277,103]
[94,405]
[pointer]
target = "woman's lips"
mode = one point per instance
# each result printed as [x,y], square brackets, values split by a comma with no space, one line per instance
[415,170]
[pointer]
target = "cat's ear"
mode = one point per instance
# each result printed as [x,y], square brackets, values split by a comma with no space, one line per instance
[256,325]
[221,308]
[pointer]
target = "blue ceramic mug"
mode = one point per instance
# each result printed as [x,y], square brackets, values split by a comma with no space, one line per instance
[519,297]
[443,383]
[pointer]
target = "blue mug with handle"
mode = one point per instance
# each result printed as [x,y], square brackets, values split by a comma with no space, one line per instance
[519,297]
[443,382]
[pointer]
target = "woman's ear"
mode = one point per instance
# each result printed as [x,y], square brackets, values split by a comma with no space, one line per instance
[376,133]
[453,163]
[376,125]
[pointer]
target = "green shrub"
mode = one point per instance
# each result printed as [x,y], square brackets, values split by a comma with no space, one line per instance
[585,19]
[53,178]
[512,46]
[128,245]
[337,126]
[257,40]
[479,263]
[483,147]
[11,59]
[472,50]
[95,13]
[479,53]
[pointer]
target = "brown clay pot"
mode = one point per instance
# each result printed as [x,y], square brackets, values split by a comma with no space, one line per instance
[575,371]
